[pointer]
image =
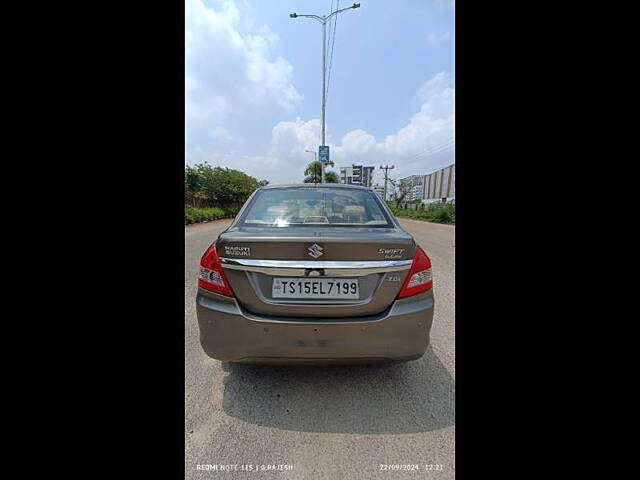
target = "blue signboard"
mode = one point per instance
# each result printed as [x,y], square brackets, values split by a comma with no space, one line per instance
[323,153]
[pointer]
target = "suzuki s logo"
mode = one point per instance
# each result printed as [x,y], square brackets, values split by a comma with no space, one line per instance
[315,250]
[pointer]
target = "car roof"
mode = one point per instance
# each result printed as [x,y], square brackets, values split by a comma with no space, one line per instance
[317,185]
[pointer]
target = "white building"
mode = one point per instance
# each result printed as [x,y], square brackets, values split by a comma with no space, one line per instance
[435,187]
[357,175]
[408,184]
[440,185]
[379,189]
[415,193]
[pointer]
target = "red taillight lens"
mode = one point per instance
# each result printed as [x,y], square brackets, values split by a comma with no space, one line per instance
[211,276]
[419,279]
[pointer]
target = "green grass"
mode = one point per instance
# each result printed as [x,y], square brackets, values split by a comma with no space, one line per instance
[433,212]
[195,215]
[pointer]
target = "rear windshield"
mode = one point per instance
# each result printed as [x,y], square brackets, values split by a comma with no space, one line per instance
[315,206]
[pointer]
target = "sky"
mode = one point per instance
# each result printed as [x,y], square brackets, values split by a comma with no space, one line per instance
[254,85]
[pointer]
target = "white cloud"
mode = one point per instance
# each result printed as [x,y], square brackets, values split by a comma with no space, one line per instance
[230,73]
[357,142]
[274,169]
[435,38]
[290,139]
[424,144]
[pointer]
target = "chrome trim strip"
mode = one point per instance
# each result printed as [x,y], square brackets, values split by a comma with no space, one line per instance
[251,262]
[298,268]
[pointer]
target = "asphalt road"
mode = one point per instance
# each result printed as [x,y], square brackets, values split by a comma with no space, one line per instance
[325,422]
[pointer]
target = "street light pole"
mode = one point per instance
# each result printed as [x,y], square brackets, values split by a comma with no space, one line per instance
[323,20]
[315,154]
[324,76]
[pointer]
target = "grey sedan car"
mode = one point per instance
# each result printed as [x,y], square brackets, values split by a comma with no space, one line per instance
[314,274]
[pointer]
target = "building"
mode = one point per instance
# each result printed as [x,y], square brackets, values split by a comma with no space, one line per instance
[415,193]
[440,185]
[367,176]
[436,186]
[379,189]
[407,185]
[357,175]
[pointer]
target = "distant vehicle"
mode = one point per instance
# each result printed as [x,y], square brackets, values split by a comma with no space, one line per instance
[313,274]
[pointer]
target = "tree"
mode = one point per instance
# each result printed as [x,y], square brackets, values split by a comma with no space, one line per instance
[399,192]
[193,194]
[331,177]
[218,187]
[313,173]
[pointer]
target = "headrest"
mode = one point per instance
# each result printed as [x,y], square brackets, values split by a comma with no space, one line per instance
[277,209]
[354,210]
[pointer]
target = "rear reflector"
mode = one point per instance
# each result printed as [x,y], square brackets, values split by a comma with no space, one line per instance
[211,276]
[419,278]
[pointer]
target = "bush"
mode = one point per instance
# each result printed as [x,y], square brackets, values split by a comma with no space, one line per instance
[195,215]
[434,212]
[207,186]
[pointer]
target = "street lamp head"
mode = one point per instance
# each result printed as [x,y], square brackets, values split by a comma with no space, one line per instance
[356,5]
[293,15]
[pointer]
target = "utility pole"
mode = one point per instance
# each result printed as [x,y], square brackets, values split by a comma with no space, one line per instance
[323,20]
[386,169]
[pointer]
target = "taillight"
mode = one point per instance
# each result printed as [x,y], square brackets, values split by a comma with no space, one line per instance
[211,276]
[419,278]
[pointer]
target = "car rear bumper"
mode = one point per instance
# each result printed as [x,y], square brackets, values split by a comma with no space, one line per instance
[230,333]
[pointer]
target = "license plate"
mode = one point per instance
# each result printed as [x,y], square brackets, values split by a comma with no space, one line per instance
[304,287]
